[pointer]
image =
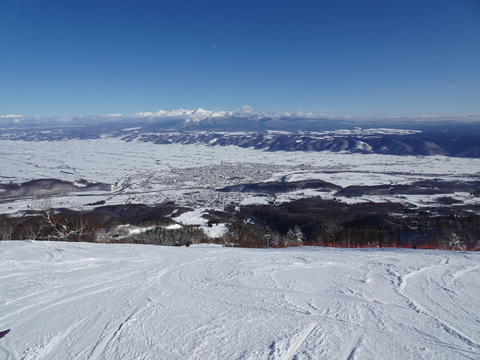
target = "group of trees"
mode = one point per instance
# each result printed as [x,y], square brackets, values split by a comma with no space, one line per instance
[330,223]
[160,235]
[43,222]
[310,221]
[47,224]
[6,227]
[252,234]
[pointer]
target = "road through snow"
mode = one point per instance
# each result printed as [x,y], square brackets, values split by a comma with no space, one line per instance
[98,301]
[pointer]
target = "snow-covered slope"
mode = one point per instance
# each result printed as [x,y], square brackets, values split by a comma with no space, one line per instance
[95,301]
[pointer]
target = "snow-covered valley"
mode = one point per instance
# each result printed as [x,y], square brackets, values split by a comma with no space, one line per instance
[98,301]
[221,186]
[190,175]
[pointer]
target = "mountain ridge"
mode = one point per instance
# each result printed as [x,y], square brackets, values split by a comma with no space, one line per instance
[247,127]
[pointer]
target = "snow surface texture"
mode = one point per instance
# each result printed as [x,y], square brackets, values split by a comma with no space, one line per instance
[98,301]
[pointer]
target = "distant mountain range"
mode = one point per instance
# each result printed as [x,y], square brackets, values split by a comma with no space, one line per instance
[246,127]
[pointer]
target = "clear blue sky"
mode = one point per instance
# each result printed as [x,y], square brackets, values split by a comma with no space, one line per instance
[357,57]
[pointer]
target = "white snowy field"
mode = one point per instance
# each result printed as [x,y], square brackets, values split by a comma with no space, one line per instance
[111,159]
[189,174]
[98,301]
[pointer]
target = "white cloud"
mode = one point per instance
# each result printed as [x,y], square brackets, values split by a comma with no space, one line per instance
[199,114]
[10,116]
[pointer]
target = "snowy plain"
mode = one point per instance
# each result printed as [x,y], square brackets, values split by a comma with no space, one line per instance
[106,301]
[149,173]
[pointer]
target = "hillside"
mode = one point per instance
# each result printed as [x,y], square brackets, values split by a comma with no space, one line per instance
[94,301]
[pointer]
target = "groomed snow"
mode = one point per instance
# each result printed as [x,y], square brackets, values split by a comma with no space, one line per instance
[99,301]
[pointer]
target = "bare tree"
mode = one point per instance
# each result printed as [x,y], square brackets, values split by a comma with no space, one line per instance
[451,242]
[32,229]
[64,228]
[55,226]
[6,228]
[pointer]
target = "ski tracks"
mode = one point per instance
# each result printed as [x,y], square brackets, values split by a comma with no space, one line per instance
[5,352]
[157,302]
[287,348]
[355,341]
[460,273]
[113,329]
[415,304]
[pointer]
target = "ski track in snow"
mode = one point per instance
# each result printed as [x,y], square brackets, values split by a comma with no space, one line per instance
[97,301]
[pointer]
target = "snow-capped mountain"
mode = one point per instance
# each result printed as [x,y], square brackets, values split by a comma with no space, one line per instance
[245,118]
[247,127]
[182,118]
[196,114]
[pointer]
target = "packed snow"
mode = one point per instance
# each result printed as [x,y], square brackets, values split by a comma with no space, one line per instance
[106,301]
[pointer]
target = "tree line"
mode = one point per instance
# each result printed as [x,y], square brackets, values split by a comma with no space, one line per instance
[311,221]
[332,223]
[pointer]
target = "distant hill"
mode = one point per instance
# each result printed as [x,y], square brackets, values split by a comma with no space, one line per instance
[273,132]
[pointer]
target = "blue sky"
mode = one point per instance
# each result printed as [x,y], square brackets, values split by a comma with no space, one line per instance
[358,57]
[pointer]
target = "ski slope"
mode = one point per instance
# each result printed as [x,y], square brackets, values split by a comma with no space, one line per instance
[99,301]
